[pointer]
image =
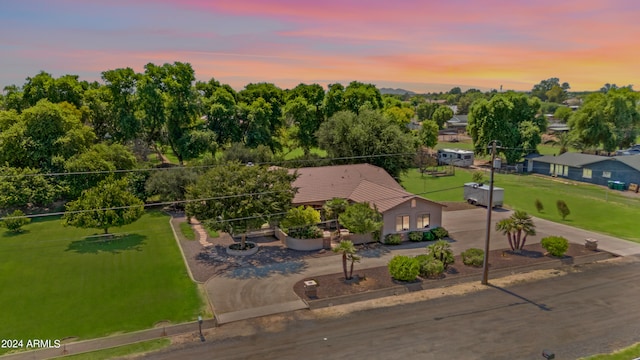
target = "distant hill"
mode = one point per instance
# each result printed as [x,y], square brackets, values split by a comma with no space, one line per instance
[396,91]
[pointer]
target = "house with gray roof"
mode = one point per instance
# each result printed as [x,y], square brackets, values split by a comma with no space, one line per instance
[593,169]
[401,211]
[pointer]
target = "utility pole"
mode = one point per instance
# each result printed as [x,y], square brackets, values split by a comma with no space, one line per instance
[485,263]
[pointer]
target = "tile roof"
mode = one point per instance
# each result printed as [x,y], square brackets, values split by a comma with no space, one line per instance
[356,182]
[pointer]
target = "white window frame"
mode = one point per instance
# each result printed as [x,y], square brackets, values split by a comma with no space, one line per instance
[587,173]
[606,174]
[401,221]
[565,171]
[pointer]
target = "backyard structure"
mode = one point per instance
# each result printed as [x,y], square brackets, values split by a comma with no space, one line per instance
[456,157]
[401,211]
[595,169]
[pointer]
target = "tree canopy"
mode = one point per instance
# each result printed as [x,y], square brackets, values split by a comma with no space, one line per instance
[511,119]
[368,133]
[108,204]
[236,198]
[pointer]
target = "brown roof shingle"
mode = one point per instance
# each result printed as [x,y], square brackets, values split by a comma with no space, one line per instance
[357,182]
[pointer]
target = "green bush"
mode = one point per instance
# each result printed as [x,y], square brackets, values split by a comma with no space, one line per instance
[392,239]
[306,232]
[563,209]
[415,236]
[15,221]
[428,236]
[429,266]
[539,205]
[404,268]
[555,245]
[440,233]
[473,257]
[441,250]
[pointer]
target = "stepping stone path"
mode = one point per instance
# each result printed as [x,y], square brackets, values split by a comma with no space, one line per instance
[203,237]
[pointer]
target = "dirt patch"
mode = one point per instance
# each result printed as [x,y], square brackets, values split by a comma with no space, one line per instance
[371,279]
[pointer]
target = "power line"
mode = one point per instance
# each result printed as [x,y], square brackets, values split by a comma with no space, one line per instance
[195,167]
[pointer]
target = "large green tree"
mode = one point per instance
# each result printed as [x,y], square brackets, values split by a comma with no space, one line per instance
[334,100]
[94,165]
[44,134]
[108,204]
[24,187]
[609,120]
[122,83]
[442,115]
[359,96]
[507,118]
[366,135]
[236,198]
[298,112]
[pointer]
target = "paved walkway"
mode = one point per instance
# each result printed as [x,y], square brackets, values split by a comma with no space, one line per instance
[236,297]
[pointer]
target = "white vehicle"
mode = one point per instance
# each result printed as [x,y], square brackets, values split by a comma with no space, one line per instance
[478,194]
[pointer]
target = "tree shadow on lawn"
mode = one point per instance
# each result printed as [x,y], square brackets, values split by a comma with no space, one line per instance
[11,234]
[114,245]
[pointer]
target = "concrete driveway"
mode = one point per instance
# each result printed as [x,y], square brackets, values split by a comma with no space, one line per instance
[238,298]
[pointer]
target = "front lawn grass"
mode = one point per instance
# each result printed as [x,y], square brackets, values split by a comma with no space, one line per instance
[121,351]
[57,284]
[632,352]
[592,207]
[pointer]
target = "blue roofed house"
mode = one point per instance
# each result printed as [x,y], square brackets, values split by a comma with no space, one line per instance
[588,168]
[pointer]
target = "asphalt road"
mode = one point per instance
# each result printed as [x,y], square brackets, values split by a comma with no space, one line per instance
[591,311]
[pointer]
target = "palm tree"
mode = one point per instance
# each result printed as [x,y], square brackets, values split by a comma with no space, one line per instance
[563,140]
[348,254]
[517,227]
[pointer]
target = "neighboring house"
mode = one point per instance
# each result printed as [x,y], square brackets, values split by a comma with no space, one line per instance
[458,123]
[401,211]
[456,157]
[593,169]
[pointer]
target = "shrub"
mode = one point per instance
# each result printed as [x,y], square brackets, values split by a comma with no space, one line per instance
[429,266]
[440,233]
[392,239]
[404,268]
[563,209]
[441,250]
[307,232]
[539,205]
[428,236]
[15,221]
[473,257]
[477,177]
[555,245]
[415,236]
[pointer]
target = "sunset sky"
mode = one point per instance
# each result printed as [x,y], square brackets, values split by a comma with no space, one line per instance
[419,45]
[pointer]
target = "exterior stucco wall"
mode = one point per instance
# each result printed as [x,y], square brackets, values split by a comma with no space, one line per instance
[422,207]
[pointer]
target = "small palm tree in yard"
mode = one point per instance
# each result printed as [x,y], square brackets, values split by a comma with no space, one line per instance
[517,227]
[348,252]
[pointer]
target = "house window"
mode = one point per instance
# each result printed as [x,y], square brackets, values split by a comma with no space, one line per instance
[606,174]
[402,222]
[586,173]
[552,169]
[422,221]
[413,203]
[565,171]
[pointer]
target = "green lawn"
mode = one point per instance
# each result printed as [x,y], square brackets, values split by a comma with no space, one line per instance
[592,207]
[297,152]
[57,284]
[632,352]
[187,231]
[121,351]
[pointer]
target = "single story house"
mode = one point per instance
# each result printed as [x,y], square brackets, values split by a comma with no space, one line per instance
[401,211]
[458,123]
[456,157]
[593,169]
